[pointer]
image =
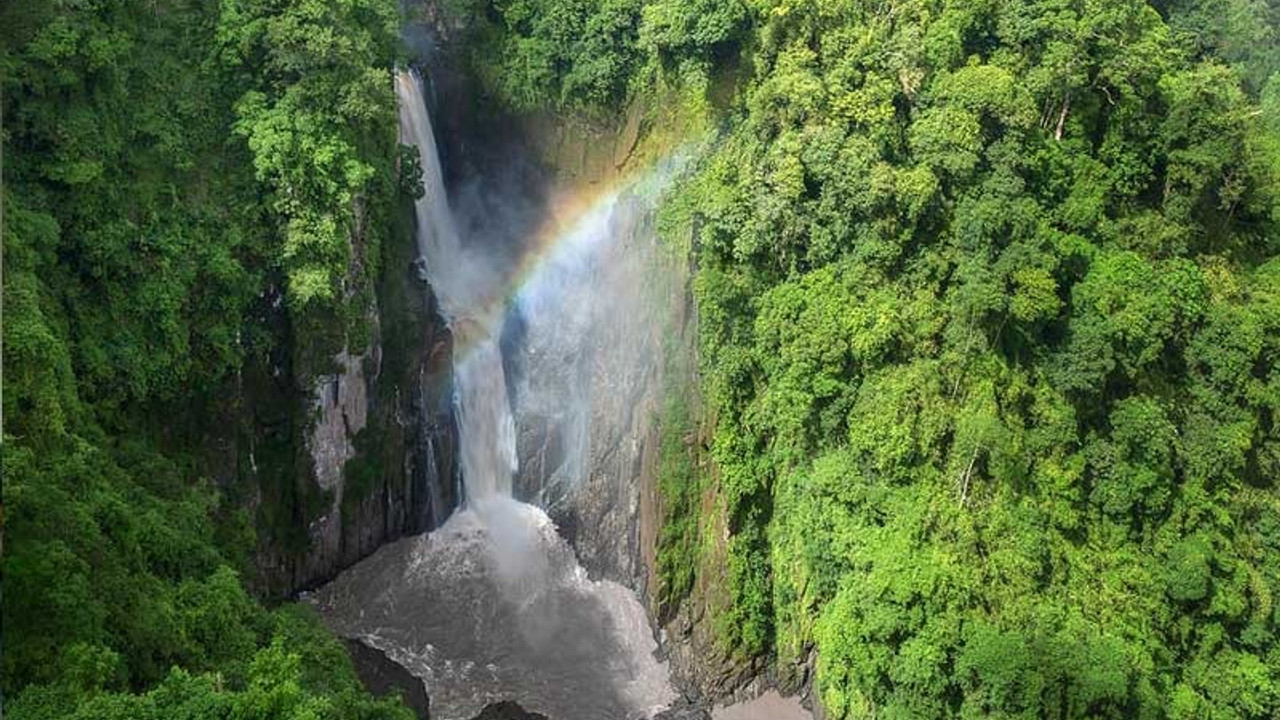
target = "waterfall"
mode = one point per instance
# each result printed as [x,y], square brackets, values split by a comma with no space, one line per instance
[469,291]
[494,604]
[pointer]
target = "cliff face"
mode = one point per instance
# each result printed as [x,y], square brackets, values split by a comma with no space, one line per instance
[584,358]
[587,399]
[640,348]
[382,437]
[338,452]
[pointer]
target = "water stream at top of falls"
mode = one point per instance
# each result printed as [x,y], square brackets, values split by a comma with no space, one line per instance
[494,605]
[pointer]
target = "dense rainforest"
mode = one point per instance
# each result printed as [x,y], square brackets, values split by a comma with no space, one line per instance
[988,311]
[989,339]
[171,166]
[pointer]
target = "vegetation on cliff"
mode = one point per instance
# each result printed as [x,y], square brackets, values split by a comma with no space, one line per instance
[989,303]
[172,168]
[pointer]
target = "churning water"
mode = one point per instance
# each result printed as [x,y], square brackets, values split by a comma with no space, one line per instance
[494,604]
[480,623]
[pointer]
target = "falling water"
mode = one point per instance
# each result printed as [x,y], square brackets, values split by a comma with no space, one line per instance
[493,605]
[466,286]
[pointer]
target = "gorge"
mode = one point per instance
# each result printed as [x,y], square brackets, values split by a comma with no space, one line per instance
[663,359]
[493,605]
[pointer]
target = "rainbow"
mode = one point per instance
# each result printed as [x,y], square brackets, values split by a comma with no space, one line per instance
[571,225]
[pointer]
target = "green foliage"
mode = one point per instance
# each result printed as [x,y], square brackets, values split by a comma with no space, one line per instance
[118,602]
[1243,33]
[317,120]
[589,57]
[109,197]
[136,242]
[988,331]
[278,686]
[692,28]
[677,554]
[567,53]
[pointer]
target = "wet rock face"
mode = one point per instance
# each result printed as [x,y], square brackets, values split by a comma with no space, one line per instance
[340,408]
[340,403]
[588,391]
[384,440]
[338,461]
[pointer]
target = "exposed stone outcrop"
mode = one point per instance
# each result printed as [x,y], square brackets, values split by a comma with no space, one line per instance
[339,412]
[340,406]
[684,712]
[383,438]
[340,451]
[382,676]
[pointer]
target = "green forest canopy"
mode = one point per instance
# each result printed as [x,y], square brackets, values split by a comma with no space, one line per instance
[169,165]
[989,303]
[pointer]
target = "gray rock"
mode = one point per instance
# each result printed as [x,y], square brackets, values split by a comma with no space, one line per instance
[508,710]
[684,712]
[383,676]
